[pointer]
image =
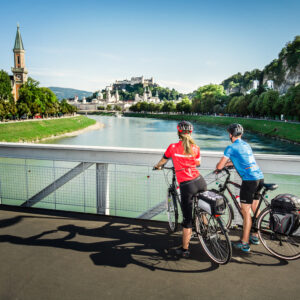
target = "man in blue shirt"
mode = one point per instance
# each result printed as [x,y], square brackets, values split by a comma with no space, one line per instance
[241,156]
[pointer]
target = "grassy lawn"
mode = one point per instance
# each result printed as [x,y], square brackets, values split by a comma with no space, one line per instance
[36,130]
[288,131]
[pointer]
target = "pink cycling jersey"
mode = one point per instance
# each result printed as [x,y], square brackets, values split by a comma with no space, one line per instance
[184,164]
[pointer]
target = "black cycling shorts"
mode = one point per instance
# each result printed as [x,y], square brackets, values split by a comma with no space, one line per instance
[187,190]
[250,190]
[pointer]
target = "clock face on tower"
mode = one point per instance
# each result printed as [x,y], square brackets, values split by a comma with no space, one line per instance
[18,76]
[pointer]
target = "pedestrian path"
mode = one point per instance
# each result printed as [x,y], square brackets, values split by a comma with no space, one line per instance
[53,255]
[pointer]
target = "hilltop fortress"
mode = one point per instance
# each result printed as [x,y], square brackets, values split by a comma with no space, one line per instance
[121,84]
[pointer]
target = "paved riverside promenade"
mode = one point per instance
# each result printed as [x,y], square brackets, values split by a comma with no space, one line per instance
[52,255]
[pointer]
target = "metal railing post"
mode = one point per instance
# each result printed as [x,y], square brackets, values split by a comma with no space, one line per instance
[102,188]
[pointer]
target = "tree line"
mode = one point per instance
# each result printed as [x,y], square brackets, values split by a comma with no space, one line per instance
[33,100]
[211,99]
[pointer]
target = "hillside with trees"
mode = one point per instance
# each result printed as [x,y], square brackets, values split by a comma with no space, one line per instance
[284,71]
[129,91]
[67,93]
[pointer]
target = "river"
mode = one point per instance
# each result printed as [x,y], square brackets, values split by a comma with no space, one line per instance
[154,133]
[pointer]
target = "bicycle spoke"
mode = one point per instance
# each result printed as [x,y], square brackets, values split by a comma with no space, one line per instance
[282,246]
[213,238]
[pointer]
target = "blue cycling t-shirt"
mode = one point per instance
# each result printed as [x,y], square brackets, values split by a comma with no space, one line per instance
[241,155]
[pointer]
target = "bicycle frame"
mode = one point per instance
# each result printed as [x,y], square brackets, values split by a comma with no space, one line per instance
[173,186]
[225,187]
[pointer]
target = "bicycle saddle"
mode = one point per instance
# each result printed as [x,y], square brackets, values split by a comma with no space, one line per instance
[270,186]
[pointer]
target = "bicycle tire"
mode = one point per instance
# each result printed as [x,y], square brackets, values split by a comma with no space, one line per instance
[213,237]
[277,243]
[228,215]
[172,211]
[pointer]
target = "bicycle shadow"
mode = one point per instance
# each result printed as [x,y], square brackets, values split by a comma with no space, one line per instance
[119,245]
[258,255]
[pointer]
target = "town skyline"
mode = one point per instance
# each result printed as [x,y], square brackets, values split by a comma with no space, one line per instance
[89,55]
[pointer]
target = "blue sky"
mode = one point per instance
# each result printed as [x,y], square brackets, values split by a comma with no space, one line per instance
[182,44]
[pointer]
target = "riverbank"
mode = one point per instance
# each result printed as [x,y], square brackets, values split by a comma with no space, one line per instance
[289,132]
[38,131]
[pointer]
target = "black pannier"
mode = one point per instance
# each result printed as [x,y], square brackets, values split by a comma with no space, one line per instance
[285,217]
[216,202]
[285,203]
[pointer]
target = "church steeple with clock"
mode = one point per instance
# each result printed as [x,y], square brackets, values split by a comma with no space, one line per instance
[19,70]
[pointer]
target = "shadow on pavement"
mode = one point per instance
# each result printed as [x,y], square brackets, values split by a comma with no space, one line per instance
[119,245]
[125,242]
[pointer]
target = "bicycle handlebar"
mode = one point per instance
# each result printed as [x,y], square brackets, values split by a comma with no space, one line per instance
[162,167]
[226,169]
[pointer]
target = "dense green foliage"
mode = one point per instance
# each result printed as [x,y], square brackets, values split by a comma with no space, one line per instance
[267,104]
[289,55]
[288,131]
[5,86]
[239,82]
[33,100]
[37,130]
[211,99]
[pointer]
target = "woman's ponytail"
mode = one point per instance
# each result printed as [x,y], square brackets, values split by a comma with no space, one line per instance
[187,142]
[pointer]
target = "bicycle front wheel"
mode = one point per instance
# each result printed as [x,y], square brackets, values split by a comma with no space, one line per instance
[213,237]
[280,245]
[172,211]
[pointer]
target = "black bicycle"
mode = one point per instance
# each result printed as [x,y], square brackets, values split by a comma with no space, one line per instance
[282,245]
[208,227]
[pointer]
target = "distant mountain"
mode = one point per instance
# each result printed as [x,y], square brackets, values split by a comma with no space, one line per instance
[67,93]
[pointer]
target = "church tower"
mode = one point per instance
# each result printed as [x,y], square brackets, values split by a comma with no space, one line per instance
[19,70]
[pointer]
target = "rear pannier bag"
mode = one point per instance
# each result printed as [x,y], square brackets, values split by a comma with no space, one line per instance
[283,223]
[285,217]
[211,202]
[285,203]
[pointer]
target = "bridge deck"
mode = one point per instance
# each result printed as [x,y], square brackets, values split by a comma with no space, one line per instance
[46,255]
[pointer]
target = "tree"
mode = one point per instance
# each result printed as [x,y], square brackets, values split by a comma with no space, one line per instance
[269,99]
[118,108]
[168,106]
[207,97]
[23,110]
[184,106]
[291,105]
[5,86]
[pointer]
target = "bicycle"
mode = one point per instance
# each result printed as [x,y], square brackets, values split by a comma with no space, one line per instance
[283,246]
[208,227]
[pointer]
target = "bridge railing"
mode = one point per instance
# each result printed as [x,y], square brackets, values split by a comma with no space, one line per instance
[107,180]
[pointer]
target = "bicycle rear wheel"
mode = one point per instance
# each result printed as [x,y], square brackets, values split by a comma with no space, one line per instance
[172,211]
[213,237]
[282,246]
[228,214]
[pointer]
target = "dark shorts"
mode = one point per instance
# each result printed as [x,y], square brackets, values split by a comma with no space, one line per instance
[187,190]
[250,190]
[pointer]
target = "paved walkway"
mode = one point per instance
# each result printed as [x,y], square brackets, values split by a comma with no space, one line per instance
[70,256]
